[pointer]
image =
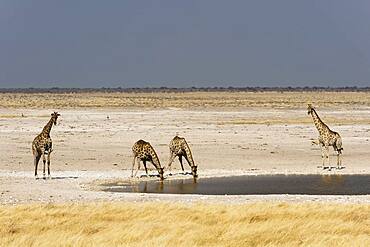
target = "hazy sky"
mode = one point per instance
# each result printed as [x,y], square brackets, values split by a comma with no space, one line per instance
[94,43]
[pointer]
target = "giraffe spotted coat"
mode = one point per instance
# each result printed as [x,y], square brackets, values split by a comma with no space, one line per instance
[180,148]
[42,144]
[327,138]
[143,151]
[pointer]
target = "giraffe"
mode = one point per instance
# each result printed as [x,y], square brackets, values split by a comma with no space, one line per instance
[326,138]
[179,148]
[143,151]
[42,144]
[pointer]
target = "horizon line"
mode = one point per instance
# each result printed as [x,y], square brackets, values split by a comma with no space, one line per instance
[179,89]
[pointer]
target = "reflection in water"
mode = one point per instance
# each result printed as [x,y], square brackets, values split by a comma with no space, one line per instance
[147,187]
[188,186]
[249,185]
[333,180]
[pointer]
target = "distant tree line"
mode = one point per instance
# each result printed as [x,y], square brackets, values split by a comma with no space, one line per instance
[190,89]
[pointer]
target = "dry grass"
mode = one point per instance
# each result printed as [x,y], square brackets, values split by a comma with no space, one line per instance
[160,224]
[292,120]
[186,100]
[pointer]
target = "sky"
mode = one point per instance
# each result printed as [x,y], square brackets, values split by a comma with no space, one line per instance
[204,43]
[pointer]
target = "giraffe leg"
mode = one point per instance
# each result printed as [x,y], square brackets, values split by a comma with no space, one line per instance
[323,156]
[49,165]
[146,169]
[133,166]
[138,166]
[339,159]
[44,161]
[36,158]
[327,155]
[182,166]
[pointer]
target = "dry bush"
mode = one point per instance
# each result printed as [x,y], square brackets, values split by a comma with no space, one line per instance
[164,224]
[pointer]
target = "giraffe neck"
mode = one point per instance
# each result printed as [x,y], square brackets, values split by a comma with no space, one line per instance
[155,159]
[46,130]
[190,156]
[320,125]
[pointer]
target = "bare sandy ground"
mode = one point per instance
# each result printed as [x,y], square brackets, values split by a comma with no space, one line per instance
[88,148]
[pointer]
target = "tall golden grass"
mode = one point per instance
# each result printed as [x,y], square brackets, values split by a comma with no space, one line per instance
[165,224]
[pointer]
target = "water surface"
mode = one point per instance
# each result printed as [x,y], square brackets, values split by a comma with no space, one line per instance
[253,185]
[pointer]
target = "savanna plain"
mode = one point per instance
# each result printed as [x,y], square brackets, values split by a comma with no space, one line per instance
[230,133]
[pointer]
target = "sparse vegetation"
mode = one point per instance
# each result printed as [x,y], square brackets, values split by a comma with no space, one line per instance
[291,120]
[185,100]
[163,224]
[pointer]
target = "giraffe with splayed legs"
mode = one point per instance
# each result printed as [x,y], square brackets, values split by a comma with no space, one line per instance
[143,151]
[326,139]
[42,144]
[180,148]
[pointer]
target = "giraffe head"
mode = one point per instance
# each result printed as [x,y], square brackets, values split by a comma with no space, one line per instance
[309,109]
[161,172]
[194,171]
[55,116]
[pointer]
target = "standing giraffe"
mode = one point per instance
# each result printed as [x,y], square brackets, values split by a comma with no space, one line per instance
[144,152]
[179,148]
[42,144]
[327,138]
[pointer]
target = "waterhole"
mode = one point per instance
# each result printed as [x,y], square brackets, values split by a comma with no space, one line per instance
[252,185]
